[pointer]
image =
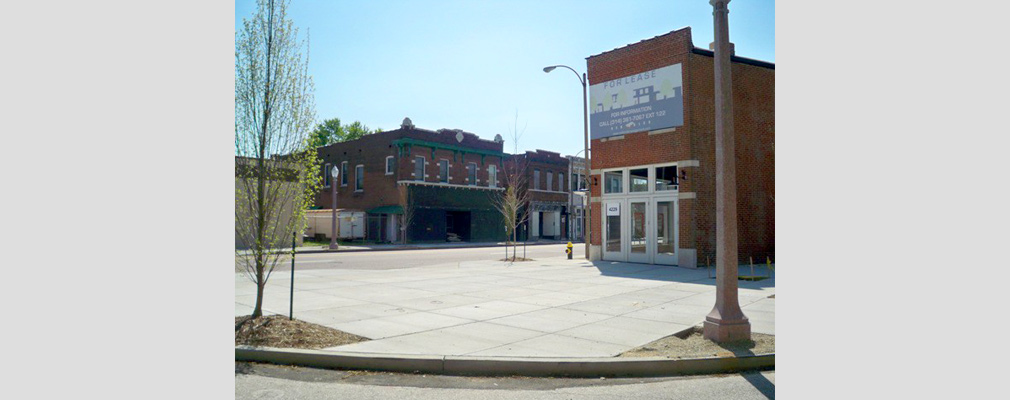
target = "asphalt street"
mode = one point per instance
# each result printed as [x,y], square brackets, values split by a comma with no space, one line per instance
[264,381]
[398,259]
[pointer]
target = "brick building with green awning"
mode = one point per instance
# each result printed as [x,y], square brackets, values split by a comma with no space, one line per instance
[441,182]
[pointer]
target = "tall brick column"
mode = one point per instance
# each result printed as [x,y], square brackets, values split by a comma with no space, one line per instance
[726,322]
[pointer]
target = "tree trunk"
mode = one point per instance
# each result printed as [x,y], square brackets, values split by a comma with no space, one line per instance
[258,311]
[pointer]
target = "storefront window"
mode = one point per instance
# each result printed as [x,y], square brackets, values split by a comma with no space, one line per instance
[640,180]
[666,178]
[613,182]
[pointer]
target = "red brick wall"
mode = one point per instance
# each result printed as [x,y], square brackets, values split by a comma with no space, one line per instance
[754,124]
[381,189]
[378,188]
[754,134]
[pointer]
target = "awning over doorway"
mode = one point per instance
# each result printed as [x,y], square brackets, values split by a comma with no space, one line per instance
[398,210]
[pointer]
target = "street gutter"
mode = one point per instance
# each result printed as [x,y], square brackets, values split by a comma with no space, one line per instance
[505,366]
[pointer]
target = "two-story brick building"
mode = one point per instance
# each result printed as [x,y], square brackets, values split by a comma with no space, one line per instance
[652,127]
[576,198]
[546,181]
[441,181]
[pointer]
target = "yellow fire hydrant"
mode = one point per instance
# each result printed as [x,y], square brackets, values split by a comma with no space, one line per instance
[568,250]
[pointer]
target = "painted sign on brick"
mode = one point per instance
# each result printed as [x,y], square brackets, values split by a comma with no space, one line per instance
[641,102]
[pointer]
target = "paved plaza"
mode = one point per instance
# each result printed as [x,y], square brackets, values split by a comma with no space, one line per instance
[552,307]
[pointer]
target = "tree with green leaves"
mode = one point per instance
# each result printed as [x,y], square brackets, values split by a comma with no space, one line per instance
[356,130]
[326,133]
[276,172]
[331,131]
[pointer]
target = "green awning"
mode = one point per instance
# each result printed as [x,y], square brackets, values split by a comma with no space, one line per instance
[387,210]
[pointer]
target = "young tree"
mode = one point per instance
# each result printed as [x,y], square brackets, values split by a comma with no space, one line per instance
[513,202]
[276,172]
[408,212]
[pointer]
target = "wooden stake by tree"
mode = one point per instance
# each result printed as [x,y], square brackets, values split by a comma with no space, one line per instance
[277,173]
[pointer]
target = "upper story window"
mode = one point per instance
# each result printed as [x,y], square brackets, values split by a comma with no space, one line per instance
[561,184]
[389,165]
[471,174]
[666,178]
[550,180]
[419,168]
[343,173]
[613,182]
[492,175]
[359,178]
[326,175]
[443,171]
[536,179]
[639,180]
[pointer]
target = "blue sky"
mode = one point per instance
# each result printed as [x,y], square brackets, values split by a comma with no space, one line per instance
[473,65]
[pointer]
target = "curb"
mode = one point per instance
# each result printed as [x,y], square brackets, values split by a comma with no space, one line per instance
[415,248]
[504,366]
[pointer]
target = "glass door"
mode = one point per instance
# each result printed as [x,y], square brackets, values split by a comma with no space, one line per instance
[638,237]
[612,229]
[666,231]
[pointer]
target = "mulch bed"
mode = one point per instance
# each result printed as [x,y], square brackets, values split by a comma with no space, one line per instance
[279,331]
[694,345]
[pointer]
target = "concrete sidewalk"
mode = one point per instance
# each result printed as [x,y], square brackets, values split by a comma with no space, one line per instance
[546,308]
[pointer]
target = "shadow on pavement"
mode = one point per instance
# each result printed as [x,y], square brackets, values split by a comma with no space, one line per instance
[671,273]
[761,383]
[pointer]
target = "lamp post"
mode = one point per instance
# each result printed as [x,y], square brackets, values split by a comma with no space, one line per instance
[334,173]
[585,124]
[726,322]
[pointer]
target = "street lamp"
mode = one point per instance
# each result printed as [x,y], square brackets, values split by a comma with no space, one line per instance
[334,173]
[585,124]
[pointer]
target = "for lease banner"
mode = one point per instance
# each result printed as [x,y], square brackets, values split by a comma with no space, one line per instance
[641,102]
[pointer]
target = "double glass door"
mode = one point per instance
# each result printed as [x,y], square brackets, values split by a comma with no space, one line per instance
[641,230]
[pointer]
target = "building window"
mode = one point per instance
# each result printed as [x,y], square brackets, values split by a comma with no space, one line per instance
[561,185]
[582,182]
[613,182]
[536,179]
[443,171]
[639,180]
[471,174]
[492,175]
[343,173]
[389,165]
[666,178]
[326,175]
[359,178]
[419,168]
[550,181]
